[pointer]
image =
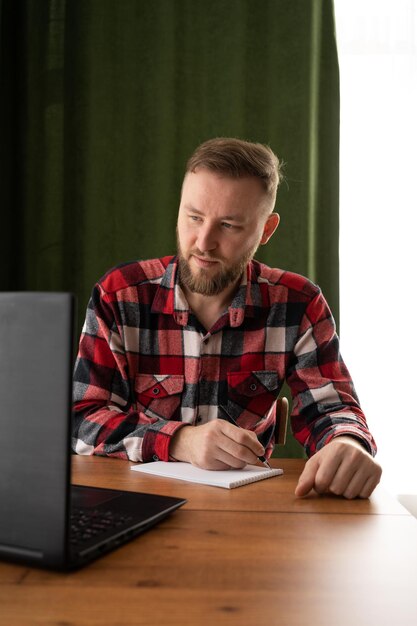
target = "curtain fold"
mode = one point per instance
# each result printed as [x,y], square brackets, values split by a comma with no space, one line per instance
[103,101]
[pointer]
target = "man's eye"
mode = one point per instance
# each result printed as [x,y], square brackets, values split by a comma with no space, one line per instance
[227,225]
[195,218]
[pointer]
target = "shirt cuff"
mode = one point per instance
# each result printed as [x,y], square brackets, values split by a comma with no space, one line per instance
[366,442]
[156,443]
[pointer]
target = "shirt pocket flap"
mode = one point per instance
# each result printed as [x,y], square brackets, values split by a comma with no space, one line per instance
[159,386]
[253,383]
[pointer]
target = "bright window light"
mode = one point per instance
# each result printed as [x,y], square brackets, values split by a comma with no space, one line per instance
[377,42]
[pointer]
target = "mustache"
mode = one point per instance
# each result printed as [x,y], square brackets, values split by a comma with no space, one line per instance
[204,255]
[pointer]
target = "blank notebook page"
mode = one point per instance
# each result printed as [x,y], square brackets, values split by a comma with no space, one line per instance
[227,479]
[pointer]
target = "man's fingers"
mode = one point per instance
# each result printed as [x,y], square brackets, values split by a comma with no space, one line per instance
[358,475]
[217,445]
[341,468]
[319,474]
[338,484]
[229,461]
[369,486]
[236,446]
[307,478]
[239,439]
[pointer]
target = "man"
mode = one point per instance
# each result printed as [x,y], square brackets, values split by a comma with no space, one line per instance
[170,345]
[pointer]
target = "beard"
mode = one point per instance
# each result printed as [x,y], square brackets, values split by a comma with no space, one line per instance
[204,283]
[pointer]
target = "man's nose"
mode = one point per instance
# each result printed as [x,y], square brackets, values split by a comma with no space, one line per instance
[206,239]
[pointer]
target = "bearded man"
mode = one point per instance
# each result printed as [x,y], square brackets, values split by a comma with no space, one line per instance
[183,358]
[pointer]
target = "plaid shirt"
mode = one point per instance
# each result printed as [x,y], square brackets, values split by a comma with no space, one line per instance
[146,366]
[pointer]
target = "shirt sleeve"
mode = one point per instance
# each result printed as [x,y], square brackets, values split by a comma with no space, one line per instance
[325,404]
[105,421]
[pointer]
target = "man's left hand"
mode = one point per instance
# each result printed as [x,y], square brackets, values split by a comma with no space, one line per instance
[343,467]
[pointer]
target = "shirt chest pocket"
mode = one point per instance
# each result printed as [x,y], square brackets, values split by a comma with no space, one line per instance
[159,395]
[252,393]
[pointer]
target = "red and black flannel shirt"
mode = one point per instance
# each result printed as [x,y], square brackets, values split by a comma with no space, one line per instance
[146,366]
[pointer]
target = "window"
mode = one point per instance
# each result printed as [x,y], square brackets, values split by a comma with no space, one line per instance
[377,42]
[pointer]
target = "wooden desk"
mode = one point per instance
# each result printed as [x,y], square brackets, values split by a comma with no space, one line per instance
[251,556]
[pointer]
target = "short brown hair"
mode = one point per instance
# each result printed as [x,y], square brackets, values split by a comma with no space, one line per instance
[237,158]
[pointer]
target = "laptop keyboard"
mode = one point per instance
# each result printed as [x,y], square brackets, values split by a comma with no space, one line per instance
[87,524]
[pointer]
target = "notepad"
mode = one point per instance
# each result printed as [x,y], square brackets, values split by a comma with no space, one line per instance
[228,479]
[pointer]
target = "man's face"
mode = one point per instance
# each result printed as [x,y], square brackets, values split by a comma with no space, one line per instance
[221,223]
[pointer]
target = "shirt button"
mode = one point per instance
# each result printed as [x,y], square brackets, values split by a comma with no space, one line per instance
[155,457]
[155,391]
[253,387]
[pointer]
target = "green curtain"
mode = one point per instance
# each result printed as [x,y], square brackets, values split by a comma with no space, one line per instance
[102,102]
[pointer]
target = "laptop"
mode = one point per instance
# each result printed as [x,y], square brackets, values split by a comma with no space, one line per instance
[44,520]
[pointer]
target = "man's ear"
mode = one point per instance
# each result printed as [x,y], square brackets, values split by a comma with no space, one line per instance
[270,227]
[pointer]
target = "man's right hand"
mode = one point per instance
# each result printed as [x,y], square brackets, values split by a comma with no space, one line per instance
[216,445]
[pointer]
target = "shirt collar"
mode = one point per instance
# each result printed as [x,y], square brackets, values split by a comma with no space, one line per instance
[170,299]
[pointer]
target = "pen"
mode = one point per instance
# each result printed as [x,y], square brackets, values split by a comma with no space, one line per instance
[228,418]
